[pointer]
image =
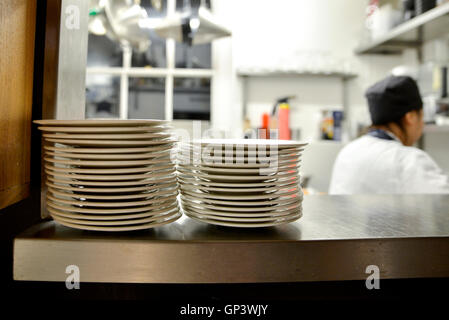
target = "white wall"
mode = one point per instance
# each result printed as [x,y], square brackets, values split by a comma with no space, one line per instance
[226,113]
[265,31]
[437,145]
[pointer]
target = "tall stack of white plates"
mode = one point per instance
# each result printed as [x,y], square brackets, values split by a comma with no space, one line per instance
[241,183]
[110,175]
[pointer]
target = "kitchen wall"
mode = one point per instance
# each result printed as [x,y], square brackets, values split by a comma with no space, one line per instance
[436,141]
[264,31]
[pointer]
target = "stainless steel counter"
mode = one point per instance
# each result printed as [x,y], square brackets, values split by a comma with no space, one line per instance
[336,239]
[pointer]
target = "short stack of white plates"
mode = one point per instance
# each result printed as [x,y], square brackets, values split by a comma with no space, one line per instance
[110,175]
[241,183]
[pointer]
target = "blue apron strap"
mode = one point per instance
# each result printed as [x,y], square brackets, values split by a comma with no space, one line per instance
[379,133]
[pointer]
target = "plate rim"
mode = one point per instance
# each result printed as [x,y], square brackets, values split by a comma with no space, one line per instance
[246,190]
[237,198]
[99,122]
[118,143]
[234,165]
[95,180]
[237,170]
[246,142]
[165,196]
[137,195]
[111,150]
[229,224]
[167,214]
[105,211]
[242,203]
[242,209]
[108,171]
[238,185]
[113,136]
[104,190]
[107,163]
[120,229]
[238,178]
[106,156]
[117,216]
[243,219]
[66,129]
[242,214]
[245,203]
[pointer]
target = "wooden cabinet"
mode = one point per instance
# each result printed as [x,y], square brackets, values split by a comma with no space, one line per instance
[17,34]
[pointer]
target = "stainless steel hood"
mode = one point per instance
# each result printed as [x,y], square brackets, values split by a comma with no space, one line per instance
[126,22]
[192,26]
[119,20]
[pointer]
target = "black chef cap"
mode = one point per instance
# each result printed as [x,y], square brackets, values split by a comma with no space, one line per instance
[390,99]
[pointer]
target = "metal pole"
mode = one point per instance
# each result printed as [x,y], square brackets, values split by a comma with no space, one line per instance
[127,55]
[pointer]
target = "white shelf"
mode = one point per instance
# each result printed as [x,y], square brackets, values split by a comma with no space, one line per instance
[244,73]
[151,72]
[427,26]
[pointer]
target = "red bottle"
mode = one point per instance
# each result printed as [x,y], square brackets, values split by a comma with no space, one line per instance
[284,121]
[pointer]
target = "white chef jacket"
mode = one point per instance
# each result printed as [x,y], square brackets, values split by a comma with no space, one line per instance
[372,165]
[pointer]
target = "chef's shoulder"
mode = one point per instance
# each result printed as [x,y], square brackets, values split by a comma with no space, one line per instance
[420,173]
[364,145]
[414,158]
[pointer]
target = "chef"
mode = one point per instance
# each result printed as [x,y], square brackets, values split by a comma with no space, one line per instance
[384,160]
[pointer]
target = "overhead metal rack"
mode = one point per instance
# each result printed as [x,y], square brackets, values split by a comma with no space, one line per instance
[411,34]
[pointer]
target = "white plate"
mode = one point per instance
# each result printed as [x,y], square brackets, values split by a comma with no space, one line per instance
[210,152]
[110,143]
[237,150]
[270,203]
[237,163]
[275,208]
[242,214]
[100,223]
[129,228]
[280,144]
[242,219]
[146,169]
[231,201]
[164,196]
[238,178]
[134,156]
[71,208]
[110,188]
[112,180]
[150,194]
[146,194]
[230,191]
[243,171]
[278,182]
[100,122]
[256,164]
[245,225]
[154,128]
[273,195]
[112,136]
[115,217]
[108,163]
[110,150]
